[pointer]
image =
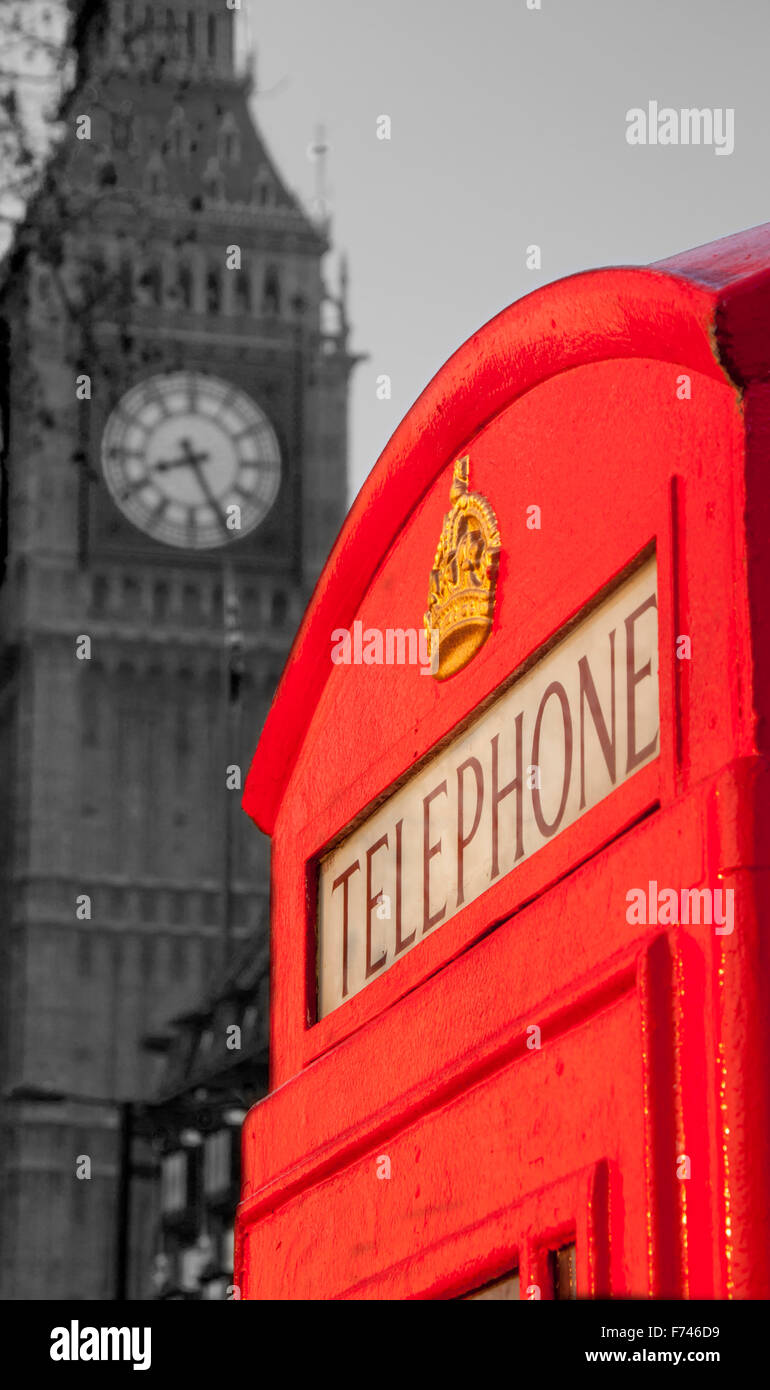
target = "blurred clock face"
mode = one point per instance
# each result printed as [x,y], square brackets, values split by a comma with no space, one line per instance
[191,460]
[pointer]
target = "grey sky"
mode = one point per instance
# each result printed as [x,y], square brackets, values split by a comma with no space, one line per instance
[508,128]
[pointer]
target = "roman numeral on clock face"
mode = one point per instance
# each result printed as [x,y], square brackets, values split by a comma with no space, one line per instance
[135,486]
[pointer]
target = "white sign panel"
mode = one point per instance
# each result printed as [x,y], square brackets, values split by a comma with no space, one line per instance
[580,722]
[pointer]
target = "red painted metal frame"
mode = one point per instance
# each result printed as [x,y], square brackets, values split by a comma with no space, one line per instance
[655,1042]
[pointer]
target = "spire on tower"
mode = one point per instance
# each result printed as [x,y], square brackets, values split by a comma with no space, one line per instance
[318,150]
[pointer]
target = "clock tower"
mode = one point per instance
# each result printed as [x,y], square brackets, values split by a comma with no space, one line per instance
[174,388]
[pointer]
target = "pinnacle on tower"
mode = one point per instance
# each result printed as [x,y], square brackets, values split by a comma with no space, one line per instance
[192,40]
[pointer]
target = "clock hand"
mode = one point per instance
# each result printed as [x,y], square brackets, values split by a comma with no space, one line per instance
[162,466]
[131,488]
[208,494]
[195,462]
[189,457]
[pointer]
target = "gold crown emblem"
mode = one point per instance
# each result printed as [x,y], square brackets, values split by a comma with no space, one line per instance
[461,599]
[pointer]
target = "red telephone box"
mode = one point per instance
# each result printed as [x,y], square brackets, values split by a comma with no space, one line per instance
[516,781]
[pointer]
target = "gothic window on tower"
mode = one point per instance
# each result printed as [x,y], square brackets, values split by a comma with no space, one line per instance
[153,182]
[178,135]
[191,603]
[214,181]
[213,292]
[148,27]
[171,34]
[99,595]
[211,37]
[122,122]
[155,175]
[271,293]
[243,291]
[160,601]
[185,285]
[150,285]
[191,27]
[131,596]
[229,143]
[171,294]
[262,191]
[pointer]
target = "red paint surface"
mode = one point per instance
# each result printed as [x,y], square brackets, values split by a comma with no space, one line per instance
[654,1040]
